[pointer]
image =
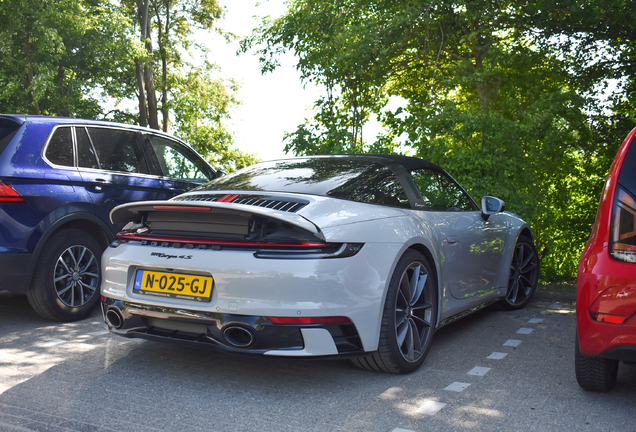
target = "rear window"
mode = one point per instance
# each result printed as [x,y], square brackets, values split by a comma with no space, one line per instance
[627,177]
[7,130]
[354,180]
[623,230]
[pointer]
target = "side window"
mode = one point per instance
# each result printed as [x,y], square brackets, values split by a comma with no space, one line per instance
[118,150]
[439,192]
[59,151]
[176,161]
[86,156]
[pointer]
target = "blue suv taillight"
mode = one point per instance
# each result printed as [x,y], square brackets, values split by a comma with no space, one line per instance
[8,194]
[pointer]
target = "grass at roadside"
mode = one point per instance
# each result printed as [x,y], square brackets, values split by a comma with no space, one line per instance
[558,289]
[560,286]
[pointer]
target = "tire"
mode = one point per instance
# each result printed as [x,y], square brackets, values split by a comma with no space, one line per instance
[66,280]
[594,373]
[408,319]
[524,275]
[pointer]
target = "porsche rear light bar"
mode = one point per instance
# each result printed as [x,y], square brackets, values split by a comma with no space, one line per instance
[245,244]
[261,249]
[8,194]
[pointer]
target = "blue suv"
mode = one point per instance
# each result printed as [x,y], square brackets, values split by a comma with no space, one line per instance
[59,179]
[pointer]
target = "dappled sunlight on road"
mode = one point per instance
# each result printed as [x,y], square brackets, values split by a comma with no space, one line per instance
[18,366]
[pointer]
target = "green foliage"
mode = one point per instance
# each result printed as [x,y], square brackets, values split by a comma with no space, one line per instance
[54,54]
[77,57]
[491,90]
[200,106]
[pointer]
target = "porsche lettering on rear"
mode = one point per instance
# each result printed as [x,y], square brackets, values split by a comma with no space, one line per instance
[168,256]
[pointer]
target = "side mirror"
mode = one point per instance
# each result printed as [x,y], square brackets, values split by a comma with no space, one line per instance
[491,205]
[219,173]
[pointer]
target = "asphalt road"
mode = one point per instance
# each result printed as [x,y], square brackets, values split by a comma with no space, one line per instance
[494,370]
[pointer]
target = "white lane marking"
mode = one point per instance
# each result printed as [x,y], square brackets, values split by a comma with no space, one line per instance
[535,321]
[98,333]
[429,407]
[457,386]
[402,430]
[479,371]
[497,355]
[512,342]
[524,330]
[50,343]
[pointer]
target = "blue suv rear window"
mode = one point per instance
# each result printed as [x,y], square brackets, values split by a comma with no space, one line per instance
[7,130]
[60,148]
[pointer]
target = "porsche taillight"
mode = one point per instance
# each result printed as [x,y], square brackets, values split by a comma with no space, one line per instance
[623,234]
[8,194]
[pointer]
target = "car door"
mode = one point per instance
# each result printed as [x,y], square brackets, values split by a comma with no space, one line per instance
[472,247]
[182,168]
[115,169]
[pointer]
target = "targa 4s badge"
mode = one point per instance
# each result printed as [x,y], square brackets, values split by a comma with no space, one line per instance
[167,256]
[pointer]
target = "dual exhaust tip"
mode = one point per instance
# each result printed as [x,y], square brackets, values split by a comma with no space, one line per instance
[237,336]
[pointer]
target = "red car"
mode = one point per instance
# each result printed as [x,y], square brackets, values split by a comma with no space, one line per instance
[606,285]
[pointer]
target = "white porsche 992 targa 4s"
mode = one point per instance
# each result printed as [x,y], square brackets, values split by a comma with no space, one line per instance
[358,256]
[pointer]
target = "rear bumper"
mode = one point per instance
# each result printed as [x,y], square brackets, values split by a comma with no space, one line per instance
[14,269]
[606,340]
[237,334]
[606,290]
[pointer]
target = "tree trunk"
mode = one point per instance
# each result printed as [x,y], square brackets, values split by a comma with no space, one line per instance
[143,115]
[35,108]
[62,108]
[164,91]
[145,25]
[153,115]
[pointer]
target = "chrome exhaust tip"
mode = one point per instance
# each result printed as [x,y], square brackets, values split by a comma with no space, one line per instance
[114,318]
[239,337]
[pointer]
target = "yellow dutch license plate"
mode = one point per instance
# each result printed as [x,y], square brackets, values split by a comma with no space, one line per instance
[174,285]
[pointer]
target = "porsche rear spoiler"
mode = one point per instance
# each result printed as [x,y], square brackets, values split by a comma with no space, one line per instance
[228,216]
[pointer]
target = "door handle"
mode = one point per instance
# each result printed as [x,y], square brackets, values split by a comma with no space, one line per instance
[452,239]
[99,184]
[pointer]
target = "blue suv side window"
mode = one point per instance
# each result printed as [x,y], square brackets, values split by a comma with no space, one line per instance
[60,148]
[174,161]
[118,150]
[86,155]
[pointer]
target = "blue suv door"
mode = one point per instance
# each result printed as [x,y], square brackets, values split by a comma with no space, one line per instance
[115,168]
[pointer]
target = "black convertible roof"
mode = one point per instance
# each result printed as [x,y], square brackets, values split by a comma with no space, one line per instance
[408,162]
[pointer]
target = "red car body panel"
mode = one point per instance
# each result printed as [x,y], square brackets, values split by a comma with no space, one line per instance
[606,287]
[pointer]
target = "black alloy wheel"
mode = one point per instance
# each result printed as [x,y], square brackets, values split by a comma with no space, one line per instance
[409,318]
[524,275]
[66,281]
[76,276]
